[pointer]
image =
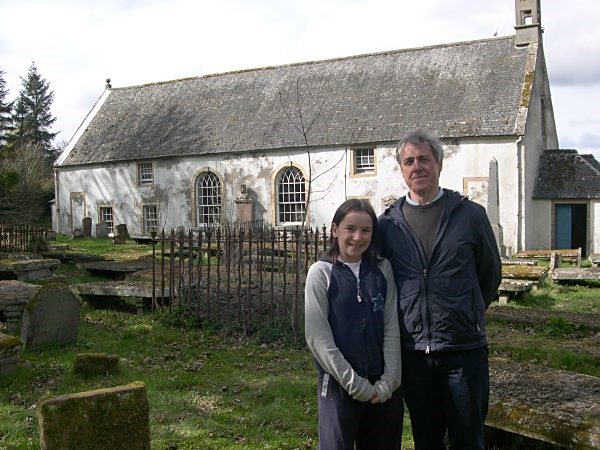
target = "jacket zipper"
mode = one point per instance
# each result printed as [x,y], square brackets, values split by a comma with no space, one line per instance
[427,312]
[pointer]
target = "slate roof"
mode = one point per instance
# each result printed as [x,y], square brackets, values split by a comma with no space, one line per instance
[564,174]
[463,89]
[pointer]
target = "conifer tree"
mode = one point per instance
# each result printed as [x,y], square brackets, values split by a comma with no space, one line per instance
[32,116]
[6,120]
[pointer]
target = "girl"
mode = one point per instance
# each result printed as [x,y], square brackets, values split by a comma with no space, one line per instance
[351,327]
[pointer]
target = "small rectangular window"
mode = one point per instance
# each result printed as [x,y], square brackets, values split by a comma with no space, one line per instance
[105,214]
[145,173]
[150,213]
[363,161]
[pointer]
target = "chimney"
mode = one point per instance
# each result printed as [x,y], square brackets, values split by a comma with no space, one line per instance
[528,22]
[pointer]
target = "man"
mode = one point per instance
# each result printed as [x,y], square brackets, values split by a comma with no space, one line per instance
[447,271]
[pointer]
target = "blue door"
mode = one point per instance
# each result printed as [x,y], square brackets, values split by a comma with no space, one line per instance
[563,216]
[570,226]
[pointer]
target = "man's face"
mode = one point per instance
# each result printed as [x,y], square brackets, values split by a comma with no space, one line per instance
[421,171]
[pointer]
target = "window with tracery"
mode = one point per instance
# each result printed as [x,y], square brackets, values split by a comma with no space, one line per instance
[291,196]
[208,199]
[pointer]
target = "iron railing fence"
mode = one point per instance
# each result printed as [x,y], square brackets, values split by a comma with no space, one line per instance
[23,238]
[236,273]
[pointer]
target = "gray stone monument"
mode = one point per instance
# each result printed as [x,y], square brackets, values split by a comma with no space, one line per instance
[86,225]
[493,206]
[101,229]
[121,234]
[51,317]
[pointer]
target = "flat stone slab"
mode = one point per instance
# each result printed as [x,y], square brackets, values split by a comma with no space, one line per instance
[536,274]
[15,292]
[27,269]
[512,288]
[72,257]
[574,274]
[117,289]
[551,405]
[570,254]
[595,259]
[118,269]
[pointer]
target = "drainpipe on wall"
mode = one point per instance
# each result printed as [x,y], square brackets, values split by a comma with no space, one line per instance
[56,202]
[520,195]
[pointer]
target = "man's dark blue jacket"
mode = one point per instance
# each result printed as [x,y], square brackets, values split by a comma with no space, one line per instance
[442,300]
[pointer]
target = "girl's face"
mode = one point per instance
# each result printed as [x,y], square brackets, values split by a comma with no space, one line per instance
[354,234]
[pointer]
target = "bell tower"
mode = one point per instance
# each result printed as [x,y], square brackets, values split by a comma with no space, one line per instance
[528,22]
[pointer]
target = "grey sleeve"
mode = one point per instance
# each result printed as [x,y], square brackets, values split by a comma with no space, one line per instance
[319,337]
[392,374]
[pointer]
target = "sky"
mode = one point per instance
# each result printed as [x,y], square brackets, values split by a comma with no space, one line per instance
[76,45]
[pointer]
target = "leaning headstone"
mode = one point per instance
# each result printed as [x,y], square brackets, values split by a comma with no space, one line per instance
[86,224]
[77,233]
[121,234]
[51,317]
[9,353]
[101,229]
[110,418]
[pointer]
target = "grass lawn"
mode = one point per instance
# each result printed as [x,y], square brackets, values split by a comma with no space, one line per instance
[214,387]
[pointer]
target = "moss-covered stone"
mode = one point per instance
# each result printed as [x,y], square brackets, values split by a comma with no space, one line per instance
[9,353]
[9,342]
[89,364]
[116,417]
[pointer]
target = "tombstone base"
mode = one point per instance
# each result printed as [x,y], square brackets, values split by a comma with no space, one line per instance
[9,353]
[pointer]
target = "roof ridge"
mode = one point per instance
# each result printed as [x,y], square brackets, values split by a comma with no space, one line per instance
[591,166]
[319,61]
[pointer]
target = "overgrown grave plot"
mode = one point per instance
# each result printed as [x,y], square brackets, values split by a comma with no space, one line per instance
[545,374]
[206,389]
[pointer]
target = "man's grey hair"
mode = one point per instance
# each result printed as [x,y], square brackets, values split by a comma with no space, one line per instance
[422,136]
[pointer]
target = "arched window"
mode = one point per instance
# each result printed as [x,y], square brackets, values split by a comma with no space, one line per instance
[291,196]
[208,199]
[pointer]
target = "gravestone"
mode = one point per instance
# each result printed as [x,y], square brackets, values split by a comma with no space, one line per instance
[86,225]
[101,229]
[493,206]
[110,418]
[121,234]
[51,317]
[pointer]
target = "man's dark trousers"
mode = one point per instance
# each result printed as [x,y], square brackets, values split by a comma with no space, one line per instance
[447,390]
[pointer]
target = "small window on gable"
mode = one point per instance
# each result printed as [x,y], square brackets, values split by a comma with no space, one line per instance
[150,213]
[145,174]
[105,214]
[363,161]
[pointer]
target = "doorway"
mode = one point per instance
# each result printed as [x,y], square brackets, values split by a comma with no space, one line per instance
[570,229]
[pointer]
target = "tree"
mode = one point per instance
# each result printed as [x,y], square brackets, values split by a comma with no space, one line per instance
[26,185]
[32,116]
[304,128]
[6,120]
